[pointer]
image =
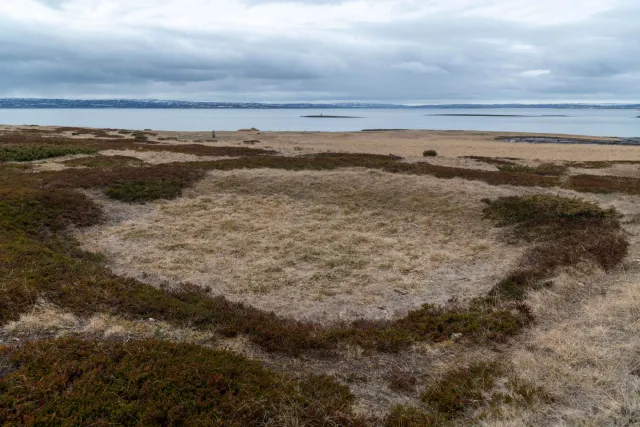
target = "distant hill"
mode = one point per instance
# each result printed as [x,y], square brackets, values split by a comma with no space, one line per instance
[152,103]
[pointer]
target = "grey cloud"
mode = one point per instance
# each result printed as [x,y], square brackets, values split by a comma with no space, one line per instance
[480,60]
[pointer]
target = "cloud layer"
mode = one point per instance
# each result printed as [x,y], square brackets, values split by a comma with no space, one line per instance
[304,50]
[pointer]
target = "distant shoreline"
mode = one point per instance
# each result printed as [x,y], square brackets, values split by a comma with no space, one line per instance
[322,116]
[563,140]
[62,103]
[493,115]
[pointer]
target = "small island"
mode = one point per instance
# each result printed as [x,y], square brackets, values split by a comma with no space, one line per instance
[474,115]
[492,115]
[322,116]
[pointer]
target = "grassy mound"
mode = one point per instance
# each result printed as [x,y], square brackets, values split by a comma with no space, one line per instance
[75,382]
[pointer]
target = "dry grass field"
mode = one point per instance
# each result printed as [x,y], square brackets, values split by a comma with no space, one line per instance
[163,278]
[320,246]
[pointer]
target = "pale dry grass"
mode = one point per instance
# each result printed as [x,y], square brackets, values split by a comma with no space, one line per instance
[149,157]
[54,163]
[46,320]
[316,245]
[159,157]
[585,349]
[411,144]
[619,169]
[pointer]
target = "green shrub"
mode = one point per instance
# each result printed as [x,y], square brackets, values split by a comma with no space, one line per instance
[24,153]
[490,177]
[430,153]
[549,212]
[542,169]
[430,323]
[604,184]
[76,382]
[140,191]
[567,232]
[461,389]
[104,162]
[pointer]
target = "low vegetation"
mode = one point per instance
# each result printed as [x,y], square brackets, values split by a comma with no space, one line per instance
[430,153]
[130,184]
[37,263]
[38,260]
[509,164]
[76,382]
[144,190]
[49,140]
[602,164]
[541,169]
[461,391]
[27,153]
[566,232]
[604,184]
[152,382]
[479,322]
[104,162]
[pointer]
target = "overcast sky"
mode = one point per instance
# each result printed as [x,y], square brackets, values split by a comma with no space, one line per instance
[411,51]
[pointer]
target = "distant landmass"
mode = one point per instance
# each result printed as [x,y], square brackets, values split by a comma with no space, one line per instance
[323,116]
[152,103]
[494,115]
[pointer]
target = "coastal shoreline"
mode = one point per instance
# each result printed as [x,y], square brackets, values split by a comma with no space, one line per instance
[409,144]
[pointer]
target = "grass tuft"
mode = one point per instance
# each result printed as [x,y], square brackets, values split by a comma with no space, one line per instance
[407,416]
[461,389]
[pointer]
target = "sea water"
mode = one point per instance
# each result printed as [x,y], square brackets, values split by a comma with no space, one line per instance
[596,122]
